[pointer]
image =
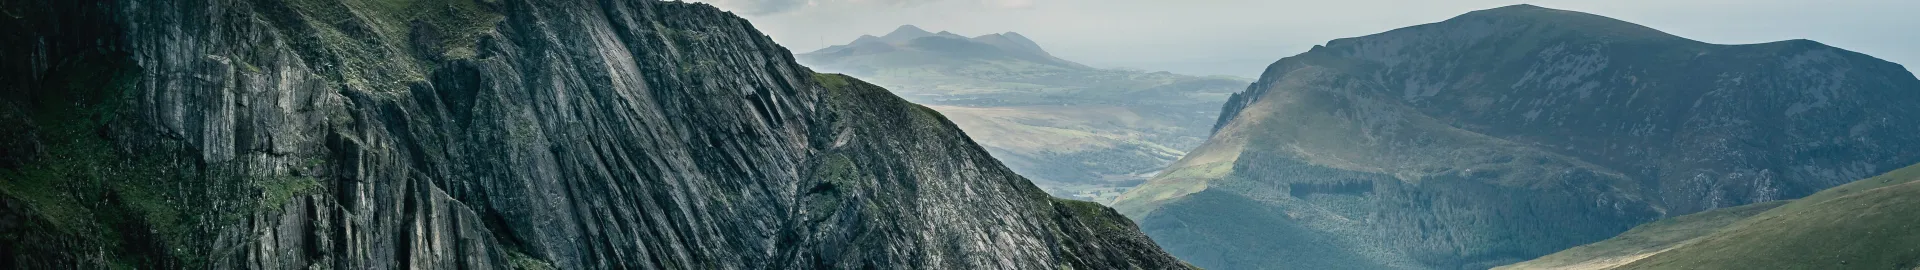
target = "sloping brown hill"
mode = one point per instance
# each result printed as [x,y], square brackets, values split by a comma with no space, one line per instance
[1873,223]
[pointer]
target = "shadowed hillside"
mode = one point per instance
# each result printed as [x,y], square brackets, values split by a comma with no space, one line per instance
[1505,134]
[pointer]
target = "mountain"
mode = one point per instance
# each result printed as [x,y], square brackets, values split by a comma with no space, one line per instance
[910,45]
[455,134]
[1505,134]
[1867,224]
[1078,131]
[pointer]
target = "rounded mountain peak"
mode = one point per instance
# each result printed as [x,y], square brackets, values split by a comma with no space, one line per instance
[1565,20]
[909,29]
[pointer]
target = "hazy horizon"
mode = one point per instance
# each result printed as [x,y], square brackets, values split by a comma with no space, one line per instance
[1241,37]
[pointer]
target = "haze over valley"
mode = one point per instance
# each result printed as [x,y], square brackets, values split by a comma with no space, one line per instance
[1077,131]
[1485,139]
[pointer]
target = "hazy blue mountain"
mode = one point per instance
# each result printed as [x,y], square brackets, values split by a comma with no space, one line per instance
[1502,135]
[1076,130]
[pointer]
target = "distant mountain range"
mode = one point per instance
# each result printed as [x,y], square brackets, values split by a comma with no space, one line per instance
[911,41]
[1077,131]
[1502,135]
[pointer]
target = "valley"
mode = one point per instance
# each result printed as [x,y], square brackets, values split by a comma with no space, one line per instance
[1078,131]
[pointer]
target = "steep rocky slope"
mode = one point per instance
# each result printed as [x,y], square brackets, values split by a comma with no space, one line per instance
[1075,130]
[1873,223]
[1506,134]
[456,134]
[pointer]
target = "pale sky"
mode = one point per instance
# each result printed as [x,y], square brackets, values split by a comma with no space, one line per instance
[1240,37]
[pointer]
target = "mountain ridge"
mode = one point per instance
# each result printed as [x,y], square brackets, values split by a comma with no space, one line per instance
[455,134]
[1405,128]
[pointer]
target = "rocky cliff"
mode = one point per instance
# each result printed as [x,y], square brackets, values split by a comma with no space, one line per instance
[1505,134]
[483,134]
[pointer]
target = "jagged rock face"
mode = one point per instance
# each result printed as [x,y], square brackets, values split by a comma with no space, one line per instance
[1505,134]
[489,134]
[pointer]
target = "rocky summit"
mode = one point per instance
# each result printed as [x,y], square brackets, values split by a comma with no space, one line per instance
[487,134]
[1502,135]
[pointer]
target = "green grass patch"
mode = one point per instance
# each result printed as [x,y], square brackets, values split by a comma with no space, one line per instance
[372,44]
[1867,224]
[276,191]
[833,82]
[123,203]
[1205,171]
[1170,185]
[114,202]
[1646,239]
[835,178]
[521,261]
[458,23]
[1869,230]
[839,170]
[1096,215]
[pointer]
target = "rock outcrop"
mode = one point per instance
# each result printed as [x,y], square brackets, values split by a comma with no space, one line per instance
[487,134]
[1506,134]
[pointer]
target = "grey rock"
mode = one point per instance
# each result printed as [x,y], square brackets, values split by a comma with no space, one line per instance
[490,134]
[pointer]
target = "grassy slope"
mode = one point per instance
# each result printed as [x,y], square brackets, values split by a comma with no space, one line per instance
[1240,217]
[1868,224]
[1190,174]
[1347,131]
[1645,240]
